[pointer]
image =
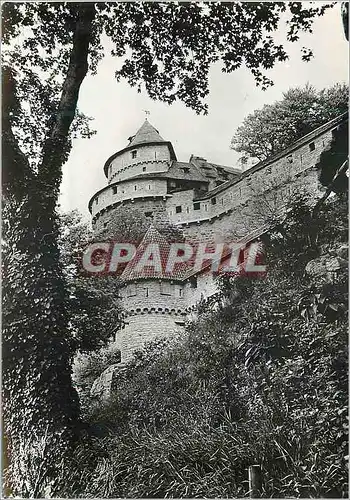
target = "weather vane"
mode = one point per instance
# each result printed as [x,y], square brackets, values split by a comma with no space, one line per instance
[147,113]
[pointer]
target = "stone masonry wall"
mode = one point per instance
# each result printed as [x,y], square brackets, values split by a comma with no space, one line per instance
[146,327]
[235,223]
[155,158]
[153,309]
[155,209]
[233,210]
[144,295]
[128,190]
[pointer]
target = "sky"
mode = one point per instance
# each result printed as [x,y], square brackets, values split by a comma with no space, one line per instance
[118,110]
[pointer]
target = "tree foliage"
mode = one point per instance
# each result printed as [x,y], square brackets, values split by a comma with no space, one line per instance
[93,306]
[274,127]
[167,48]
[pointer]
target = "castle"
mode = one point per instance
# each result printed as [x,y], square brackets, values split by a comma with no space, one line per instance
[208,202]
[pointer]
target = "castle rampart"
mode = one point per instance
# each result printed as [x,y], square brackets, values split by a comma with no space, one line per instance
[186,207]
[208,202]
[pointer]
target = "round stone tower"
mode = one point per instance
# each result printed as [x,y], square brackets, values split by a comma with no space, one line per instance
[153,298]
[135,176]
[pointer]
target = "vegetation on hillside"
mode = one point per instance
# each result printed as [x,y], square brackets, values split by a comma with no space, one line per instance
[259,377]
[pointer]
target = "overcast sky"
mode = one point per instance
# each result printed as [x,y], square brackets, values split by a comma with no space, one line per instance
[118,110]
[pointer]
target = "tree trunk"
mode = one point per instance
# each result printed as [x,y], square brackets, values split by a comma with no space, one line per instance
[40,404]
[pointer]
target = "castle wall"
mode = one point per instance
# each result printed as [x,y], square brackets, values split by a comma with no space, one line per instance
[227,213]
[155,209]
[142,328]
[254,212]
[226,208]
[183,199]
[205,286]
[153,309]
[155,158]
[128,190]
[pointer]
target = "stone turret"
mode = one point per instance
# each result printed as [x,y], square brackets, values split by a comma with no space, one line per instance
[153,298]
[135,176]
[147,152]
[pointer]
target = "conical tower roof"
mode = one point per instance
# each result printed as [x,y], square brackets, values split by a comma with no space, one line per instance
[155,249]
[147,133]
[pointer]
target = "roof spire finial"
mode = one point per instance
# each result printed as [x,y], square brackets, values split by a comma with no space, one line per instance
[147,113]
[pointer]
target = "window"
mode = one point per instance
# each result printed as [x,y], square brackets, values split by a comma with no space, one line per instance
[149,186]
[131,290]
[155,155]
[96,200]
[105,224]
[149,214]
[213,201]
[179,292]
[135,188]
[186,170]
[165,288]
[115,189]
[144,169]
[206,208]
[188,210]
[196,206]
[312,146]
[178,209]
[222,201]
[146,292]
[193,282]
[133,154]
